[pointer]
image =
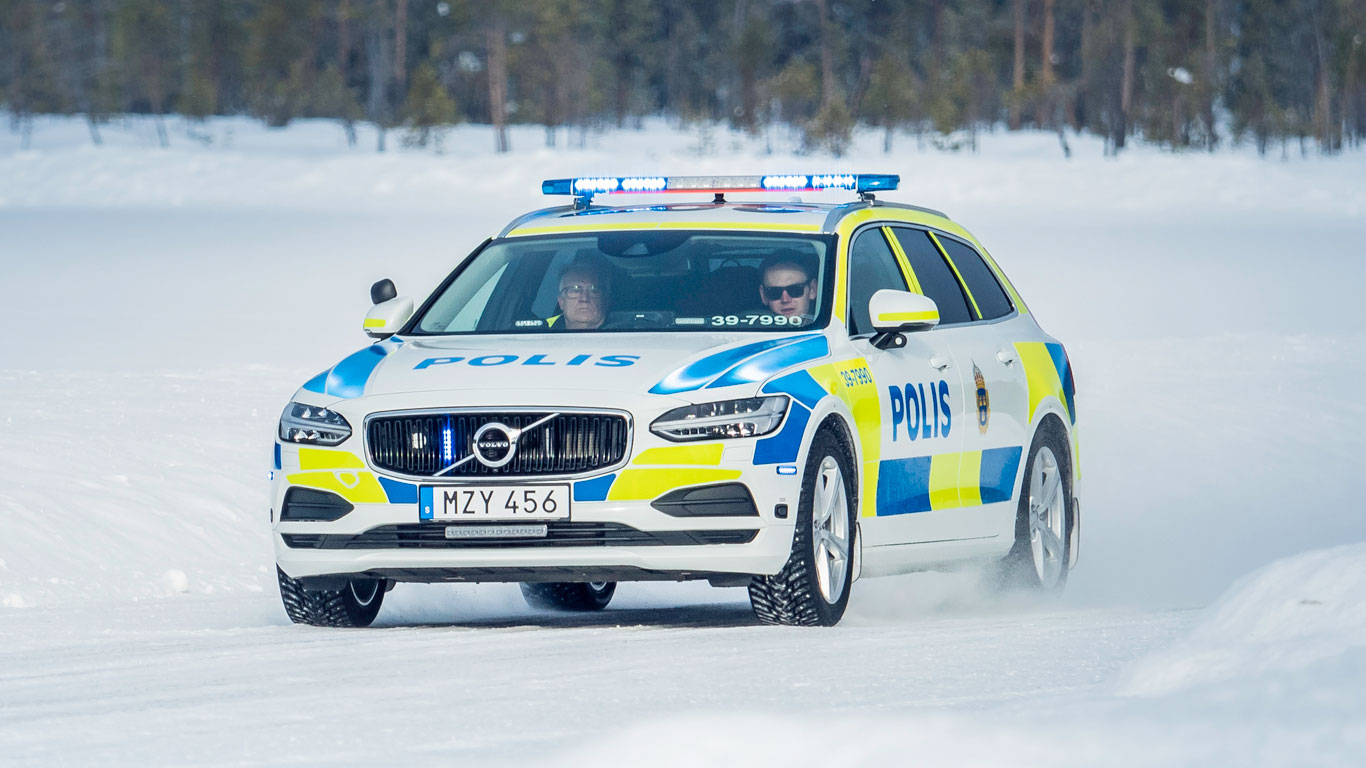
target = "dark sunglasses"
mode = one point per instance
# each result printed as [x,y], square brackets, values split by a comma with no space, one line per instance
[775,292]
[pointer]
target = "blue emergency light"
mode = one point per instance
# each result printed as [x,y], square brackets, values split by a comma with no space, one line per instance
[587,187]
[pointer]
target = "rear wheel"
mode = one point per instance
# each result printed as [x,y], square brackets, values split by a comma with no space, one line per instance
[354,605]
[812,589]
[1043,523]
[569,595]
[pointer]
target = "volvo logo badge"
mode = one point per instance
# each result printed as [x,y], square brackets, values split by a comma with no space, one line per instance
[495,444]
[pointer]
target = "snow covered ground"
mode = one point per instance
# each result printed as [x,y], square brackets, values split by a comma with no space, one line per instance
[162,305]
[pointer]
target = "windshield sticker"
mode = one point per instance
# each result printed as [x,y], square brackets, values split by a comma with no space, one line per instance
[753,319]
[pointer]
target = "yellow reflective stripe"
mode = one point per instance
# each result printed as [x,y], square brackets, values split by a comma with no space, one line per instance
[957,274]
[970,479]
[374,322]
[944,481]
[559,228]
[841,281]
[907,317]
[741,225]
[1040,373]
[322,458]
[550,321]
[907,271]
[645,226]
[645,484]
[864,403]
[703,455]
[356,487]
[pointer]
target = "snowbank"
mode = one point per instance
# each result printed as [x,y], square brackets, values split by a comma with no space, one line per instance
[1270,676]
[1300,612]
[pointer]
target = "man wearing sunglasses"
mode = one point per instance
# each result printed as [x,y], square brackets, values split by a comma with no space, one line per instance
[788,285]
[584,292]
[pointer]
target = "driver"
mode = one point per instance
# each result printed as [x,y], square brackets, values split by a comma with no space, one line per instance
[788,284]
[585,290]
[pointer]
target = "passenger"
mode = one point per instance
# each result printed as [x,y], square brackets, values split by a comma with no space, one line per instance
[788,284]
[585,291]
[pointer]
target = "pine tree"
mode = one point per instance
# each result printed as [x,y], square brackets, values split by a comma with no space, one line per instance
[427,108]
[281,59]
[144,52]
[891,98]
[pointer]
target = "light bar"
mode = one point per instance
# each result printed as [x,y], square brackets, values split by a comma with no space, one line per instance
[792,182]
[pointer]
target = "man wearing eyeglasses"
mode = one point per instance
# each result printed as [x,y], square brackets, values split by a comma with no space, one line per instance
[584,293]
[788,286]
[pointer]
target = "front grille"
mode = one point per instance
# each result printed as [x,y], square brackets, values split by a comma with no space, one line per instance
[433,536]
[567,444]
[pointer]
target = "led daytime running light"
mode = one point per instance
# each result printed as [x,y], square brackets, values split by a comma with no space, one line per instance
[723,420]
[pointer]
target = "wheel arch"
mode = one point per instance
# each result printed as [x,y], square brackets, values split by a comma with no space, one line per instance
[833,414]
[1051,419]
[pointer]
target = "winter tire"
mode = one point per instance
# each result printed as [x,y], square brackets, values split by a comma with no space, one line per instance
[1043,522]
[812,589]
[569,595]
[355,605]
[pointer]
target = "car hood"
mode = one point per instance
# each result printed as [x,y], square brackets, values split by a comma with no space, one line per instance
[634,363]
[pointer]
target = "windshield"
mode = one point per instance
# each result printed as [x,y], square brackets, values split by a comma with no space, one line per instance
[670,280]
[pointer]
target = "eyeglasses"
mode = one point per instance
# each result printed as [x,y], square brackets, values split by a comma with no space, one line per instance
[579,291]
[775,292]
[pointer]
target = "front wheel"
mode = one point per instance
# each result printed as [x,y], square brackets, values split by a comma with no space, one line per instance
[1043,523]
[812,589]
[354,605]
[569,595]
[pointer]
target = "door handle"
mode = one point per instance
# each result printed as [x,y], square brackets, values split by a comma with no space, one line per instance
[940,363]
[1006,356]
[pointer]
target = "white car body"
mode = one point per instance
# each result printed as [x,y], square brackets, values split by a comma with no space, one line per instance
[936,490]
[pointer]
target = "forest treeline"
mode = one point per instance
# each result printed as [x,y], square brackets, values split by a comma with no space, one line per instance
[1187,73]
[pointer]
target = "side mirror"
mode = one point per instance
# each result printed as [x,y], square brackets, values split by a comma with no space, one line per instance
[385,318]
[382,291]
[899,311]
[896,312]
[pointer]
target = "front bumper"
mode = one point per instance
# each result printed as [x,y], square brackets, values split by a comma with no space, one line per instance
[607,538]
[767,542]
[668,539]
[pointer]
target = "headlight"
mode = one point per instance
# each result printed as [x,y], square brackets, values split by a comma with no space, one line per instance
[718,421]
[313,425]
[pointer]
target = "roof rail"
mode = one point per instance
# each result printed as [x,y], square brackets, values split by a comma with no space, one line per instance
[840,212]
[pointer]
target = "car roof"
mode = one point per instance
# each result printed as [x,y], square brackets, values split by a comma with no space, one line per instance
[738,215]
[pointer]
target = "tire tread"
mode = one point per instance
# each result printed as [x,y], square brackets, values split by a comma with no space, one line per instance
[564,596]
[327,608]
[791,597]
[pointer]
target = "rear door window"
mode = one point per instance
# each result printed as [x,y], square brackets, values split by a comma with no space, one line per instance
[986,291]
[934,275]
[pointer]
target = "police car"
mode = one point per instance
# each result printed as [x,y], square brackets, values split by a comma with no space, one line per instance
[784,396]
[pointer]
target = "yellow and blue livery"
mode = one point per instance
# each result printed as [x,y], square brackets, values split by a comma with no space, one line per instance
[784,396]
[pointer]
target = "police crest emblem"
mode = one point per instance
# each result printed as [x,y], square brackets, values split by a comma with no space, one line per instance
[983,400]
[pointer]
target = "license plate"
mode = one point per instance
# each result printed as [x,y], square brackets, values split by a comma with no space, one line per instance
[475,503]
